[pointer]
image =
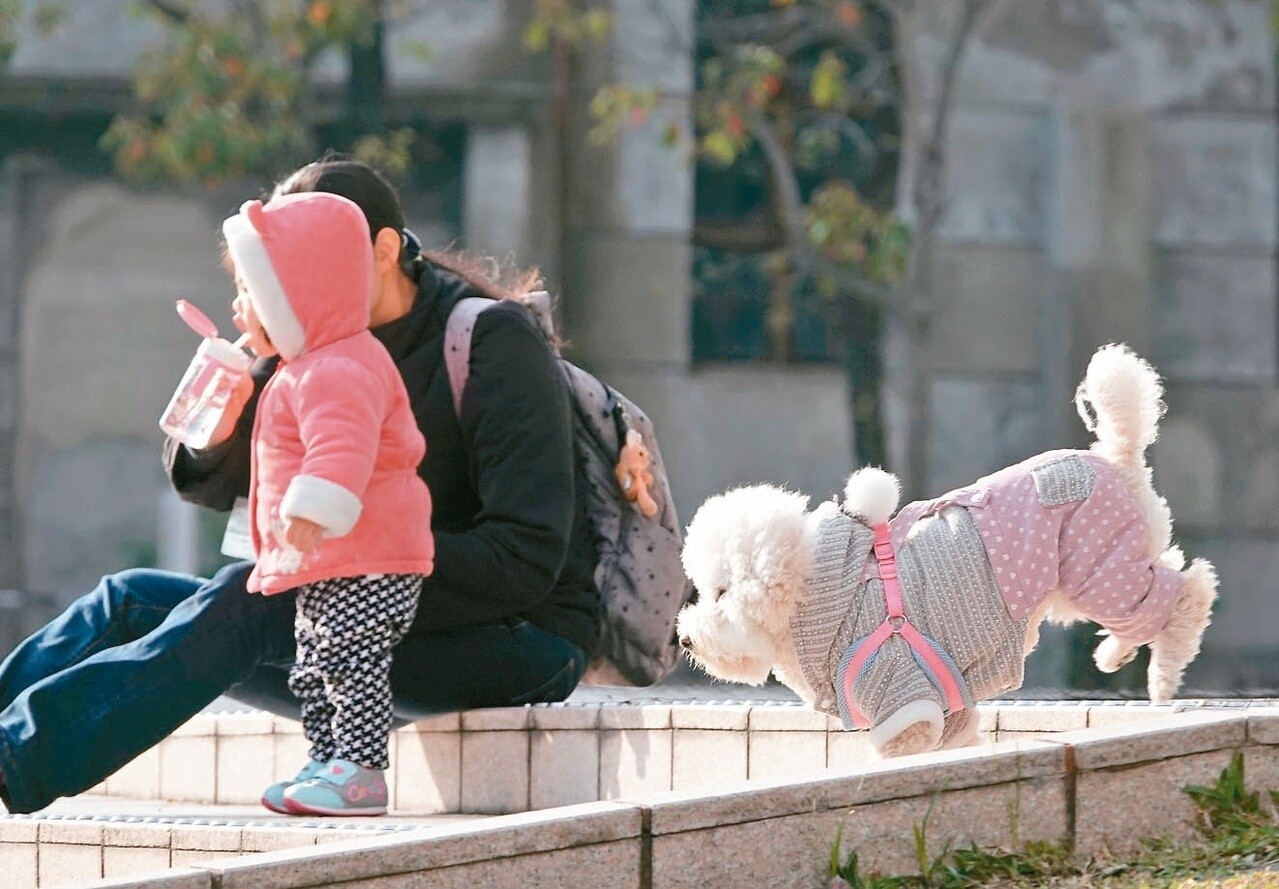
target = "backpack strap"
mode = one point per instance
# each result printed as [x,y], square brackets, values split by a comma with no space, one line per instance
[457,344]
[461,325]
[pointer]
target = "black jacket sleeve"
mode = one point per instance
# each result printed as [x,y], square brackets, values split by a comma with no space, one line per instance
[516,427]
[215,477]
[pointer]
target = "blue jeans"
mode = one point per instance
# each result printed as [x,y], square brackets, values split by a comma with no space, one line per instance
[146,650]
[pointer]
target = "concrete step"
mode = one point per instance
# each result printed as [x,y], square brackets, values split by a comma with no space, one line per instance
[1099,777]
[506,760]
[92,836]
[510,760]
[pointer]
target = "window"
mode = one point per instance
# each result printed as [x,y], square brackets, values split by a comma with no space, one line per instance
[747,305]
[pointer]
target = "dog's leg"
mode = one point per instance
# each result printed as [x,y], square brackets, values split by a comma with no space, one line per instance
[1178,642]
[1111,654]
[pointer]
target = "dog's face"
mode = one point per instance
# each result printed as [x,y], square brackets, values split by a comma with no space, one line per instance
[748,554]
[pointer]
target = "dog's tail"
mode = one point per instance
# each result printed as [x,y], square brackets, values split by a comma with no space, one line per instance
[872,494]
[1120,401]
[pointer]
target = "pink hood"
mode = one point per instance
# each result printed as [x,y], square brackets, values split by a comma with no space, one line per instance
[334,438]
[307,263]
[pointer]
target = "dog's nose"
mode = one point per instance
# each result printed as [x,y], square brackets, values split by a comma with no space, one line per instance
[685,642]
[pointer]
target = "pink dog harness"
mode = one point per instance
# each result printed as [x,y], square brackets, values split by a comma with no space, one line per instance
[938,667]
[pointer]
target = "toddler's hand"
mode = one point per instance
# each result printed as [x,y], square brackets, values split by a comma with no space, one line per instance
[238,398]
[302,534]
[246,320]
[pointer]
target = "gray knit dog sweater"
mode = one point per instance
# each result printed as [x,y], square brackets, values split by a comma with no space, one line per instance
[949,594]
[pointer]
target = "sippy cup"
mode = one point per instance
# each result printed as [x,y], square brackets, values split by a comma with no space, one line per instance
[218,366]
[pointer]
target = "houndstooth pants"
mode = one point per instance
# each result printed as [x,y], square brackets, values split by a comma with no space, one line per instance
[345,630]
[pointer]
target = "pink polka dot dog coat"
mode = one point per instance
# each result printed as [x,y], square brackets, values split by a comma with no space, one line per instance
[1065,521]
[973,566]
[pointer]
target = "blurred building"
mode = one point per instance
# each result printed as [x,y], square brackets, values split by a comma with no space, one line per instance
[1112,176]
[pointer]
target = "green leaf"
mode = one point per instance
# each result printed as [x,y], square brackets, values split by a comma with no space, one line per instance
[832,866]
[418,49]
[713,71]
[597,23]
[217,101]
[827,86]
[48,15]
[670,135]
[9,12]
[720,146]
[537,35]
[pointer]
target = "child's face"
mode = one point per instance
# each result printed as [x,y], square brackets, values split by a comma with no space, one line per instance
[245,316]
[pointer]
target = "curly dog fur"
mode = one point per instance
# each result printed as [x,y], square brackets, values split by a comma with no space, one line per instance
[750,554]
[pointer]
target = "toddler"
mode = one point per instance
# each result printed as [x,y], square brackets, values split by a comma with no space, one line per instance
[337,510]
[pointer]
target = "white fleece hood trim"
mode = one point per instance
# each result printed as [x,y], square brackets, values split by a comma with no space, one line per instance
[253,264]
[321,501]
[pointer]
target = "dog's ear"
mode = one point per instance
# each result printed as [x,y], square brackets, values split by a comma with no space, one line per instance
[776,558]
[750,541]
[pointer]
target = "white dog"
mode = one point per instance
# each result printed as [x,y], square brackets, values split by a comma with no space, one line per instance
[901,626]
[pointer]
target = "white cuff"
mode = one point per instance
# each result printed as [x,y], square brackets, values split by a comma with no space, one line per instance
[905,717]
[321,501]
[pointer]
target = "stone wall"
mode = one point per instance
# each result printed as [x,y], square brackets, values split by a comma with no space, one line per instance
[609,226]
[628,297]
[1112,176]
[1102,791]
[102,350]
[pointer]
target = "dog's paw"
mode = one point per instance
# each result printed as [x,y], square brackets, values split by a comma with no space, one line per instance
[918,738]
[913,728]
[1111,654]
[1173,558]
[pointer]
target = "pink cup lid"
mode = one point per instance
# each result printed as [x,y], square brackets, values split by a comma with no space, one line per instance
[196,320]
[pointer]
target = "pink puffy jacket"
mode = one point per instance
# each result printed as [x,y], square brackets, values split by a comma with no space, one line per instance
[334,441]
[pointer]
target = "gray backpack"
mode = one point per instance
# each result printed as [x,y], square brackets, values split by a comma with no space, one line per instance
[639,575]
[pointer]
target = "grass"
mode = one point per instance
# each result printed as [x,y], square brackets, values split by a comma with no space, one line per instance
[1238,841]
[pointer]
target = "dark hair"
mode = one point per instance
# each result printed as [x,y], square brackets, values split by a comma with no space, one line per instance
[358,182]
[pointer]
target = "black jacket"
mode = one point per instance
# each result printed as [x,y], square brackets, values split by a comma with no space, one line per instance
[509,540]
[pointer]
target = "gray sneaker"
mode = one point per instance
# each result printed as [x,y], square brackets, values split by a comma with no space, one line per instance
[273,796]
[341,787]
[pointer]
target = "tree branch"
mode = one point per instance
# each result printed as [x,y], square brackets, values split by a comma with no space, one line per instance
[676,34]
[929,197]
[893,7]
[842,123]
[754,234]
[790,206]
[764,27]
[786,31]
[253,12]
[174,11]
[863,288]
[867,78]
